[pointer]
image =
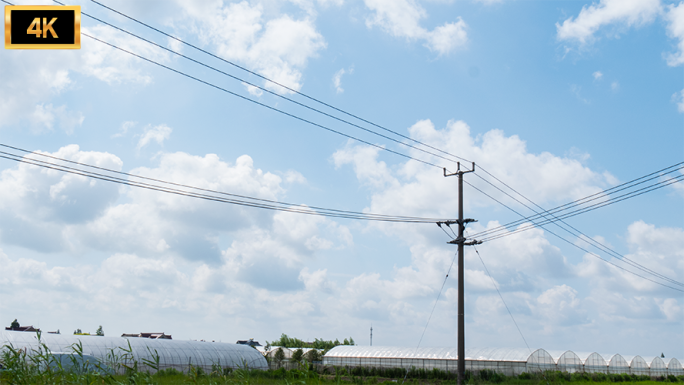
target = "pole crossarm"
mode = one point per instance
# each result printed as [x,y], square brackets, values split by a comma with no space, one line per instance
[460,240]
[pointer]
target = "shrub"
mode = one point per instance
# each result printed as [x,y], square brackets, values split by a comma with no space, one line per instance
[168,372]
[525,376]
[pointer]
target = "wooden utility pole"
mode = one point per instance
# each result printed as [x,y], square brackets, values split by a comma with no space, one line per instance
[461,242]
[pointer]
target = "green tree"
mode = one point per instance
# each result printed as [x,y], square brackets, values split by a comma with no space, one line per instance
[78,331]
[346,342]
[313,355]
[351,341]
[99,331]
[15,325]
[297,355]
[279,356]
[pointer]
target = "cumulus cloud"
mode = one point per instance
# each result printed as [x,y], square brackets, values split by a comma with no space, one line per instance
[401,18]
[560,305]
[675,28]
[543,177]
[598,75]
[79,214]
[278,48]
[158,134]
[30,79]
[620,13]
[175,255]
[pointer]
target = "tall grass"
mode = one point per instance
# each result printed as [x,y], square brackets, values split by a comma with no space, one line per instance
[41,366]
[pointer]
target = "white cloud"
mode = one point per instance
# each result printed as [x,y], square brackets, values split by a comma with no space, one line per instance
[78,214]
[678,98]
[615,86]
[542,177]
[675,28]
[367,169]
[162,255]
[45,116]
[337,78]
[39,200]
[621,13]
[256,91]
[158,134]
[401,18]
[278,48]
[292,176]
[114,66]
[598,75]
[125,127]
[560,306]
[30,79]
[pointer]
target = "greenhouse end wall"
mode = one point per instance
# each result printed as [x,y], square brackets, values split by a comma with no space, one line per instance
[505,361]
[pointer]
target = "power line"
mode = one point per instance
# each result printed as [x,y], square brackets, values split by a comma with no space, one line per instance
[501,296]
[278,84]
[257,102]
[580,247]
[595,206]
[208,190]
[580,234]
[303,105]
[278,206]
[302,119]
[271,92]
[437,299]
[589,198]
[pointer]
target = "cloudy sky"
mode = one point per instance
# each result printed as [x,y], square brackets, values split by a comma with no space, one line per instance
[557,99]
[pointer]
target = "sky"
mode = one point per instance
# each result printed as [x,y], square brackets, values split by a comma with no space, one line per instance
[557,99]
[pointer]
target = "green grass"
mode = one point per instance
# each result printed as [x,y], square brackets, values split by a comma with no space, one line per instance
[41,367]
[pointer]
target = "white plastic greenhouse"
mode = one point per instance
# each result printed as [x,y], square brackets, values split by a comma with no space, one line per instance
[175,354]
[507,361]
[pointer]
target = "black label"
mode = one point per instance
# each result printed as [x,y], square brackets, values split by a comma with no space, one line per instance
[42,27]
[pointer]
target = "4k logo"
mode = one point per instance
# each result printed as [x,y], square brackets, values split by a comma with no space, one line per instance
[34,28]
[42,27]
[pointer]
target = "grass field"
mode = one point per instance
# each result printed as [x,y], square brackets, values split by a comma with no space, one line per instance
[18,367]
[308,376]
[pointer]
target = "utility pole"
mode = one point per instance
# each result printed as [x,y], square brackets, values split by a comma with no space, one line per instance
[461,242]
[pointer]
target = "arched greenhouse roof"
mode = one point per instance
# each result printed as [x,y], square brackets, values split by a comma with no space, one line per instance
[657,363]
[172,353]
[476,354]
[618,360]
[674,364]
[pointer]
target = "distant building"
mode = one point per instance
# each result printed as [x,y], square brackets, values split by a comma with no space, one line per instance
[249,342]
[153,336]
[23,329]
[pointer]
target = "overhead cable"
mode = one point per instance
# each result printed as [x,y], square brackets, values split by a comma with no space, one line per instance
[254,202]
[589,252]
[274,94]
[277,83]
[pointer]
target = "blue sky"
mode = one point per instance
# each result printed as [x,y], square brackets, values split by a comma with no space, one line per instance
[558,99]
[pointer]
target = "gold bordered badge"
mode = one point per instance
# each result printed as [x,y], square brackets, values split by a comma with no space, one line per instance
[42,27]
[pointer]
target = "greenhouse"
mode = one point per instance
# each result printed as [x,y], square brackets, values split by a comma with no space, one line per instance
[506,361]
[179,355]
